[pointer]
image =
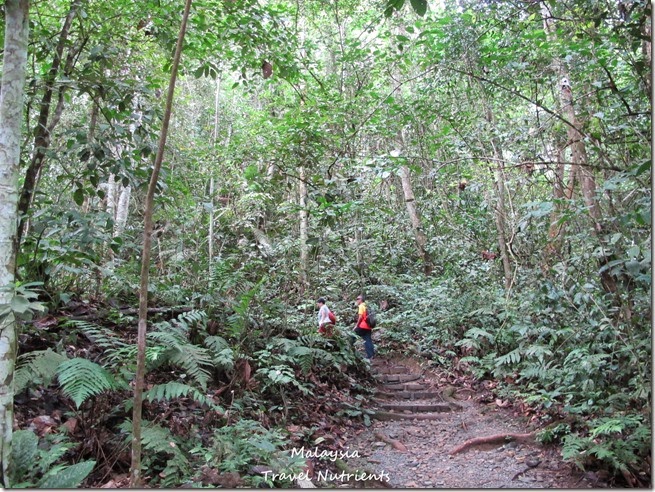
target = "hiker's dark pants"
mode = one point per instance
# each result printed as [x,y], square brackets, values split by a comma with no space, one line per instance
[368,341]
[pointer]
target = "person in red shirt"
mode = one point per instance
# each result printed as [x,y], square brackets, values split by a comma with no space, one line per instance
[362,327]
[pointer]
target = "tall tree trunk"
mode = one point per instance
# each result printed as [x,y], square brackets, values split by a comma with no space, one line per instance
[415,218]
[304,230]
[579,161]
[122,210]
[647,51]
[135,468]
[11,108]
[499,187]
[560,193]
[499,216]
[44,125]
[210,232]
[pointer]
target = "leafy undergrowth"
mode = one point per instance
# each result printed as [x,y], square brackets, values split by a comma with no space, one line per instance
[230,393]
[219,410]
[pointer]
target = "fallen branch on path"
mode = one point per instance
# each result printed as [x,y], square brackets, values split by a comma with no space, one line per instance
[495,439]
[394,442]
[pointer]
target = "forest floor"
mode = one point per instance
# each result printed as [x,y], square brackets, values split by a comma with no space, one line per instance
[421,421]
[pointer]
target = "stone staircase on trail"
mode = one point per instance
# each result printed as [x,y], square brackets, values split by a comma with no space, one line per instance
[403,394]
[426,433]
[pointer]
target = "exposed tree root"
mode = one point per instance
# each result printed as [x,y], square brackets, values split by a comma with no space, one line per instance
[394,442]
[495,439]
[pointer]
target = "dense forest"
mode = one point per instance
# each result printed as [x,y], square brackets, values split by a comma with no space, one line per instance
[180,181]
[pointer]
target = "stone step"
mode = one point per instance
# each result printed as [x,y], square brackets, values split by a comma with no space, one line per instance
[392,370]
[398,378]
[409,395]
[386,415]
[417,407]
[405,387]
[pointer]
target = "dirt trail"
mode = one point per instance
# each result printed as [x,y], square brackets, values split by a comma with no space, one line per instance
[419,423]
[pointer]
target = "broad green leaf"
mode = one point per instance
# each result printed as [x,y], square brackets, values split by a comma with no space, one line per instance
[420,6]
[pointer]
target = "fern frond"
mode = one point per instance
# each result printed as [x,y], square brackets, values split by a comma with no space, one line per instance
[325,358]
[191,318]
[538,351]
[173,390]
[66,477]
[603,453]
[54,454]
[469,343]
[574,448]
[23,453]
[196,361]
[216,343]
[38,367]
[81,379]
[156,439]
[98,335]
[609,426]
[223,355]
[534,371]
[478,333]
[513,357]
[311,340]
[168,339]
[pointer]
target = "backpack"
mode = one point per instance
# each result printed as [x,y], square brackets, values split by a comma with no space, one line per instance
[370,317]
[333,318]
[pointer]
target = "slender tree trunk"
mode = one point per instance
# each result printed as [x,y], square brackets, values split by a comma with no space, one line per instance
[44,127]
[11,107]
[415,218]
[499,216]
[135,469]
[304,230]
[560,192]
[500,206]
[122,210]
[647,51]
[210,232]
[579,161]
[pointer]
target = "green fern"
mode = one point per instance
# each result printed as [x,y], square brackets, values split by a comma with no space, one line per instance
[280,375]
[603,453]
[195,360]
[81,379]
[479,333]
[23,453]
[223,355]
[513,357]
[312,340]
[538,351]
[191,318]
[38,367]
[54,454]
[574,449]
[469,343]
[157,441]
[240,319]
[535,371]
[100,336]
[173,390]
[304,357]
[609,426]
[66,477]
[29,460]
